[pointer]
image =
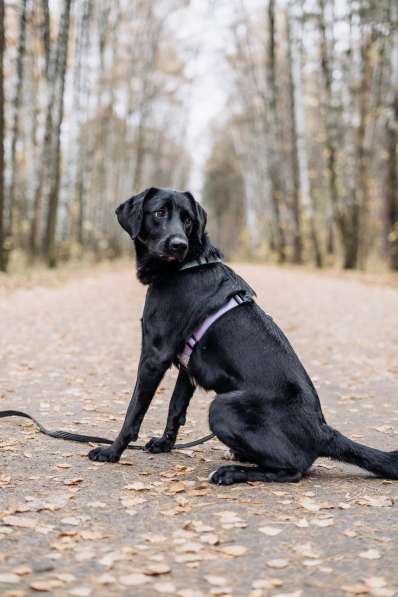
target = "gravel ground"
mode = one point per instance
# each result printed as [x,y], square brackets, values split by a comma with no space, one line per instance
[152,525]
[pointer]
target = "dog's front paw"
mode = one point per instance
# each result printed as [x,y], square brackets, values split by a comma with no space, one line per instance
[159,444]
[103,455]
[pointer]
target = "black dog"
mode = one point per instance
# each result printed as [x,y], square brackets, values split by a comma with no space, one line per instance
[266,409]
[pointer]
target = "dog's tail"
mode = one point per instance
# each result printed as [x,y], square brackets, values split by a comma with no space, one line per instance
[337,446]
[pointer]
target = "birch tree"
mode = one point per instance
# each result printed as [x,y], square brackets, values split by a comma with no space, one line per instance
[55,172]
[16,108]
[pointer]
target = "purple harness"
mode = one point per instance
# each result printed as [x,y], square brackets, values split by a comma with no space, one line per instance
[200,331]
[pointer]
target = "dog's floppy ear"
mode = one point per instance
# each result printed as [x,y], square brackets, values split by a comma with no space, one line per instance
[130,213]
[200,216]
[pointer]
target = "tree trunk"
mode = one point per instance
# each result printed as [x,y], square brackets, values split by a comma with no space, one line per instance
[53,199]
[297,190]
[81,89]
[391,193]
[3,260]
[391,184]
[46,35]
[274,153]
[308,197]
[44,161]
[363,161]
[331,136]
[16,105]
[140,150]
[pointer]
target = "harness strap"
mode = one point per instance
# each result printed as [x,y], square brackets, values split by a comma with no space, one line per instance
[200,331]
[200,261]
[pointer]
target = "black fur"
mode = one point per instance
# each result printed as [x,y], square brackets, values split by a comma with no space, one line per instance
[266,408]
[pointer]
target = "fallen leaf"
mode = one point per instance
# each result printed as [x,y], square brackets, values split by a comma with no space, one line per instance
[228,517]
[110,558]
[189,547]
[65,577]
[384,428]
[344,506]
[72,520]
[22,570]
[198,492]
[349,533]
[378,587]
[154,538]
[210,539]
[137,486]
[176,487]
[165,587]
[233,550]
[198,526]
[92,535]
[157,569]
[270,531]
[302,523]
[128,501]
[75,481]
[357,589]
[80,591]
[20,521]
[106,579]
[9,578]
[45,586]
[376,501]
[370,554]
[265,583]
[134,580]
[375,582]
[307,550]
[311,563]
[322,522]
[277,563]
[217,581]
[313,506]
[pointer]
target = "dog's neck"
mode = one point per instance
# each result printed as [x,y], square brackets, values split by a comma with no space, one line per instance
[150,268]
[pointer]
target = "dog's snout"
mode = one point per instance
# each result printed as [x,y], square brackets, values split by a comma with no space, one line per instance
[178,244]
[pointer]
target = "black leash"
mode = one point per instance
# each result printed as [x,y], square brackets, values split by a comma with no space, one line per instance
[76,437]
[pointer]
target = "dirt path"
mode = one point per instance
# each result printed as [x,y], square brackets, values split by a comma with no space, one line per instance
[152,524]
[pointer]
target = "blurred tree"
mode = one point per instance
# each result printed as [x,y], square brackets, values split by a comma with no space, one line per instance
[13,218]
[95,88]
[274,156]
[293,77]
[96,103]
[55,172]
[391,179]
[222,195]
[315,97]
[3,260]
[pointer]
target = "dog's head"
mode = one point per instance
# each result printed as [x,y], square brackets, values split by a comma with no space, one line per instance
[169,225]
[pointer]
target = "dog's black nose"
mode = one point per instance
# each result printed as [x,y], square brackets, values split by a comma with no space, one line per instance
[178,245]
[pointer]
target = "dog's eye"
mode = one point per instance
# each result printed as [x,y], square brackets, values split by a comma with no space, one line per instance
[187,222]
[160,213]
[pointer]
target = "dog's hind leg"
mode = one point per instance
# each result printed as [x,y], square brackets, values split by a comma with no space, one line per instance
[227,475]
[243,421]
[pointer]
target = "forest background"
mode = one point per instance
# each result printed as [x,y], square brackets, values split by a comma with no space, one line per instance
[281,117]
